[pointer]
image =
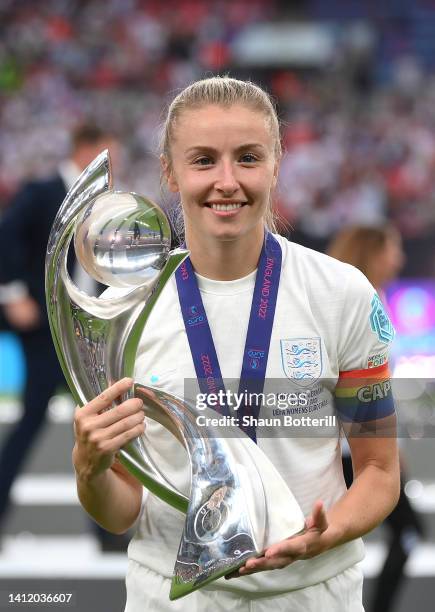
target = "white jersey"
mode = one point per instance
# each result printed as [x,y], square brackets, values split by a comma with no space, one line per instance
[325,307]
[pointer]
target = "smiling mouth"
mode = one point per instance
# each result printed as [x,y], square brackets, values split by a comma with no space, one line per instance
[225,207]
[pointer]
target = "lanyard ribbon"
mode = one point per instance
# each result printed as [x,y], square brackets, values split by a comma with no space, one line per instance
[258,337]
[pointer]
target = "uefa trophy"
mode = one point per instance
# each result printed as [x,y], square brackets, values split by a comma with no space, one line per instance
[238,504]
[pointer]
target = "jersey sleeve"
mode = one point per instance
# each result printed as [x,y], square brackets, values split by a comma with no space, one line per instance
[363,391]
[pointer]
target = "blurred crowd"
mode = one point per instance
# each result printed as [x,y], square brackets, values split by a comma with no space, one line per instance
[354,154]
[115,61]
[359,159]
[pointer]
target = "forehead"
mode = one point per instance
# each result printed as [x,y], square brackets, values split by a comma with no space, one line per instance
[221,125]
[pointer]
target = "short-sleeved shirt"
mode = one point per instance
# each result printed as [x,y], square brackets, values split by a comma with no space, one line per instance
[329,327]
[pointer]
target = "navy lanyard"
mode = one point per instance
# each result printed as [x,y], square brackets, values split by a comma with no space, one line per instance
[258,337]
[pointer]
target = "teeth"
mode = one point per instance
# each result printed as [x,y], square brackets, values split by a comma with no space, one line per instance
[225,206]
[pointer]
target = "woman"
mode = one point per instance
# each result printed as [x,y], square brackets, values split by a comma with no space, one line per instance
[377,252]
[221,153]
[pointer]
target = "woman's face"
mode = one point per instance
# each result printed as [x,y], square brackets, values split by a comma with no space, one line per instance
[223,165]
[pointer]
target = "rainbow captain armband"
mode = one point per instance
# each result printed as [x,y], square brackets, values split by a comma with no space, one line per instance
[364,395]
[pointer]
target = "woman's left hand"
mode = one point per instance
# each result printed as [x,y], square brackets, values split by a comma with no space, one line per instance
[314,540]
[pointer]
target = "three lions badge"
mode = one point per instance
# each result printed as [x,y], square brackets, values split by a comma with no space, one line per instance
[302,359]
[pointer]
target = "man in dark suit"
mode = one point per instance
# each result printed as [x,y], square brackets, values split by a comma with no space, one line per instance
[24,231]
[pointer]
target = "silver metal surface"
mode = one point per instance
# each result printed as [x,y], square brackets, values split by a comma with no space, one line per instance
[117,235]
[238,504]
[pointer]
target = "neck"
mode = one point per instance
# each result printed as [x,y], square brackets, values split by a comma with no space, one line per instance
[225,260]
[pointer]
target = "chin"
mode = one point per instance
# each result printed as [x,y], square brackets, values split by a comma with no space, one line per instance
[233,231]
[227,234]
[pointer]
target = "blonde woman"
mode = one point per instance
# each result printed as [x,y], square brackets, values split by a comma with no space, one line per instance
[221,153]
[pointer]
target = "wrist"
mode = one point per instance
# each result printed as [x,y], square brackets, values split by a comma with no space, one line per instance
[85,472]
[333,536]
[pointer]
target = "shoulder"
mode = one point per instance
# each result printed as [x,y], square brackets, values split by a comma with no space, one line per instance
[50,184]
[42,190]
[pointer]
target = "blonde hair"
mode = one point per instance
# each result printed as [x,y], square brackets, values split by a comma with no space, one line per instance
[223,91]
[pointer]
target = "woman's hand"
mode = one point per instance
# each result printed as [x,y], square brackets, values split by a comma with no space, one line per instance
[315,539]
[100,432]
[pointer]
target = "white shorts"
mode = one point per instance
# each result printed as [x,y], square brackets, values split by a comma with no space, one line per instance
[147,590]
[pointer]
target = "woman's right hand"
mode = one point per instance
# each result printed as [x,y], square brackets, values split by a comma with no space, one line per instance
[100,433]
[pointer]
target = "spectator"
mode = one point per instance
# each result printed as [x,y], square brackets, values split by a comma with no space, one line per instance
[24,231]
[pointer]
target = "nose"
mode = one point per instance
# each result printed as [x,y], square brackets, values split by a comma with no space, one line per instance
[227,182]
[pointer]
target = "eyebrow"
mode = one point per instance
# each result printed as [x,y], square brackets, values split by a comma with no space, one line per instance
[208,149]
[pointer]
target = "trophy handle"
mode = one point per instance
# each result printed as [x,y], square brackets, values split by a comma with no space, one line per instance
[96,339]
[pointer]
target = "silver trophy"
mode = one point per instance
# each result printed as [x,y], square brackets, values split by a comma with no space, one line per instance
[238,504]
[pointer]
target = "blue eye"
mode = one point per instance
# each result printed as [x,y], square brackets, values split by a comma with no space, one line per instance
[203,161]
[248,158]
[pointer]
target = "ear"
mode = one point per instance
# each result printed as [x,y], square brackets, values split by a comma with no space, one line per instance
[169,174]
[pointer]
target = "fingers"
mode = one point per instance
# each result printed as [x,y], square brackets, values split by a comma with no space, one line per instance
[119,427]
[106,399]
[107,445]
[277,556]
[293,547]
[107,431]
[260,564]
[263,563]
[129,407]
[95,428]
[100,433]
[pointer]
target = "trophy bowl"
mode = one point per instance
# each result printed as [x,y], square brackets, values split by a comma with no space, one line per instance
[122,240]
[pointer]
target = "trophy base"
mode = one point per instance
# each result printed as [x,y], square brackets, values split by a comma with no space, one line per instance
[183,584]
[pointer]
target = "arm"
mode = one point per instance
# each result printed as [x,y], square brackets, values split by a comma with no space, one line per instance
[20,309]
[364,403]
[376,485]
[105,488]
[17,223]
[370,499]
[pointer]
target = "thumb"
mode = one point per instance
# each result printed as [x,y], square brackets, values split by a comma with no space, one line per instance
[318,519]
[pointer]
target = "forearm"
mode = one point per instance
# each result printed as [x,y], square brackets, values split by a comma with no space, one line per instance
[110,499]
[107,491]
[370,499]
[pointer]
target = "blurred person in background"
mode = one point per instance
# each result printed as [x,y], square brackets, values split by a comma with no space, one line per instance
[377,252]
[24,230]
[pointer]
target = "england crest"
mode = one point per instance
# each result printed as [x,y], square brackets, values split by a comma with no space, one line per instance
[302,359]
